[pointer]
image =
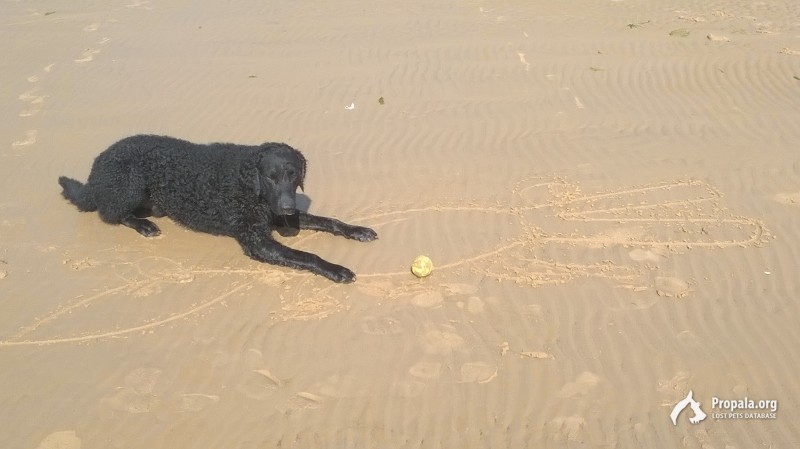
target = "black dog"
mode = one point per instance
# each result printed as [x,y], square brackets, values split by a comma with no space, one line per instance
[240,191]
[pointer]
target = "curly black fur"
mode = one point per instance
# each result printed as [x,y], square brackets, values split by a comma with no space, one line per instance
[240,191]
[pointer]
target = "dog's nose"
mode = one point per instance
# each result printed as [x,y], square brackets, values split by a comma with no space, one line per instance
[286,206]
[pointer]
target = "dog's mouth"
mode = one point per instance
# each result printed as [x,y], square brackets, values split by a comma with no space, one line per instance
[288,225]
[289,218]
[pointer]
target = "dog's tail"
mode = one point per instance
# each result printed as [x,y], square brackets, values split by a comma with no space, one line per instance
[77,193]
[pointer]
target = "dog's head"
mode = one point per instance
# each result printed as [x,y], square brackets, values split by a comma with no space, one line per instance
[275,174]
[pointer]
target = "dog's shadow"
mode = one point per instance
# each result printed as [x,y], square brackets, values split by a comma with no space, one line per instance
[302,202]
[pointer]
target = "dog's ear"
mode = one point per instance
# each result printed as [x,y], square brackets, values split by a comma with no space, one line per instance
[256,182]
[250,175]
[302,172]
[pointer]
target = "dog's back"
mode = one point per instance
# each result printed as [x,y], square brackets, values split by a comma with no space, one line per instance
[195,185]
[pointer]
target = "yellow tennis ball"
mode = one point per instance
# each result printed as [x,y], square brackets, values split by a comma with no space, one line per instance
[422,266]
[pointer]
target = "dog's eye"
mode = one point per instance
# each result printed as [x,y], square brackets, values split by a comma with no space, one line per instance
[290,173]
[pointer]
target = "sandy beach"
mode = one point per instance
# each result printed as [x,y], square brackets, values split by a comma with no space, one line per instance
[609,192]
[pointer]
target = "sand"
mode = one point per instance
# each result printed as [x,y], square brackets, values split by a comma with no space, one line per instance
[609,191]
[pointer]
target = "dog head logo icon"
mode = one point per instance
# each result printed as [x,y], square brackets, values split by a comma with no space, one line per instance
[689,401]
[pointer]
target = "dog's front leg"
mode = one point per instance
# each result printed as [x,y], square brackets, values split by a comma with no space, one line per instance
[336,227]
[261,247]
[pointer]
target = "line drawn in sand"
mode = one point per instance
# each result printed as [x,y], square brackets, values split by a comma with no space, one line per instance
[656,219]
[651,221]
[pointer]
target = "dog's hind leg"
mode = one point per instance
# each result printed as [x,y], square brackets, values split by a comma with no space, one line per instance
[126,214]
[126,204]
[257,244]
[141,225]
[148,209]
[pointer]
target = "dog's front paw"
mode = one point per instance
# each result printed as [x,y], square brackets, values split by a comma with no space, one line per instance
[340,274]
[362,234]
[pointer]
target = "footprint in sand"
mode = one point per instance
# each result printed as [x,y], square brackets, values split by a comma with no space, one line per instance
[33,99]
[258,382]
[572,428]
[453,292]
[30,139]
[428,299]
[194,402]
[566,428]
[136,396]
[31,96]
[583,384]
[646,255]
[455,288]
[717,38]
[689,339]
[478,372]
[407,388]
[381,326]
[29,112]
[87,55]
[140,4]
[672,287]
[524,62]
[505,348]
[474,305]
[437,341]
[341,386]
[674,389]
[426,370]
[65,439]
[301,401]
